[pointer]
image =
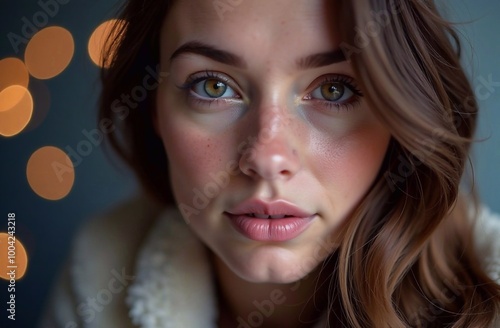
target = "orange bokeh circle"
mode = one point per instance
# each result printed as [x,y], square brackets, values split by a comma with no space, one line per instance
[49,52]
[99,38]
[18,263]
[14,72]
[50,173]
[16,110]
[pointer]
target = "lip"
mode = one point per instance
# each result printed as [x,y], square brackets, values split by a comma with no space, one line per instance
[287,220]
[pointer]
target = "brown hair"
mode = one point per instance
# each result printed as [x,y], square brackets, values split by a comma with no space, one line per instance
[407,257]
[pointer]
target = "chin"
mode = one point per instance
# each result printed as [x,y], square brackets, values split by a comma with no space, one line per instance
[269,266]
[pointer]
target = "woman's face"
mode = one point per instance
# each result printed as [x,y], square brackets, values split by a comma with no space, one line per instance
[270,143]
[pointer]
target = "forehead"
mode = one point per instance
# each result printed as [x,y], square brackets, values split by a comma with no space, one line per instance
[276,27]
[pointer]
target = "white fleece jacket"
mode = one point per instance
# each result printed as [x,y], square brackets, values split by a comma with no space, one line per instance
[128,269]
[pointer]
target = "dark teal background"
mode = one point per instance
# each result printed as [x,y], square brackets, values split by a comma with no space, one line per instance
[47,227]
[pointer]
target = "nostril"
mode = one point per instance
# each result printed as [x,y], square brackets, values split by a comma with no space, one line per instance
[286,172]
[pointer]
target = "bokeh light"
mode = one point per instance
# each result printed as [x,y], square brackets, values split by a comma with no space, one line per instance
[49,52]
[50,173]
[98,39]
[16,110]
[21,257]
[11,96]
[13,72]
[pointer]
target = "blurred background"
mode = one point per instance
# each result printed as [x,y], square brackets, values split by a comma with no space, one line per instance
[54,170]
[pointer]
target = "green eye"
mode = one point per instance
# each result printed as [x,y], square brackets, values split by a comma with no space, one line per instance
[214,88]
[332,91]
[335,92]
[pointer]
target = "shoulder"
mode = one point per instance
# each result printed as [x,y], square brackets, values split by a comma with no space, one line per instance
[112,238]
[487,240]
[100,267]
[103,260]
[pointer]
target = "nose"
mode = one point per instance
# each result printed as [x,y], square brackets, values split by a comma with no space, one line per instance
[273,154]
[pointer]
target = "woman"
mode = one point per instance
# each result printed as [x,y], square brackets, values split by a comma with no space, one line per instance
[309,155]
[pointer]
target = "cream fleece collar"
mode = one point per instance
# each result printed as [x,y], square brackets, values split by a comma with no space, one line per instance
[173,286]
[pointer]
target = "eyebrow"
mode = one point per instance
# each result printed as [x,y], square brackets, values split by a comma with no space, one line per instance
[228,58]
[322,59]
[211,52]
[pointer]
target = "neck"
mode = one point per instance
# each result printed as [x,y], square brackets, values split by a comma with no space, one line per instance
[295,305]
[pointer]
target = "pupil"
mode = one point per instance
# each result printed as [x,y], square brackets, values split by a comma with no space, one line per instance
[332,91]
[215,88]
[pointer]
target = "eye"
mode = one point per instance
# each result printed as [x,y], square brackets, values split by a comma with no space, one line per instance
[334,91]
[337,92]
[211,87]
[211,91]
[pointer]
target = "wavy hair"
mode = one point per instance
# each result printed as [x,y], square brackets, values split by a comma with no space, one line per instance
[407,257]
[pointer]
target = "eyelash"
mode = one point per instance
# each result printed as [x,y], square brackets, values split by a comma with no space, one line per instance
[347,81]
[198,77]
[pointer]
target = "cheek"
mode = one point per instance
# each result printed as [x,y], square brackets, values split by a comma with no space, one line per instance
[193,156]
[347,166]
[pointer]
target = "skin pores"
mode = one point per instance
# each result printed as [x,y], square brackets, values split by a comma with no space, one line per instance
[245,114]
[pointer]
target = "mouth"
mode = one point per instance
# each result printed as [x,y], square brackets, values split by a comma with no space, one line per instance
[265,216]
[278,209]
[275,221]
